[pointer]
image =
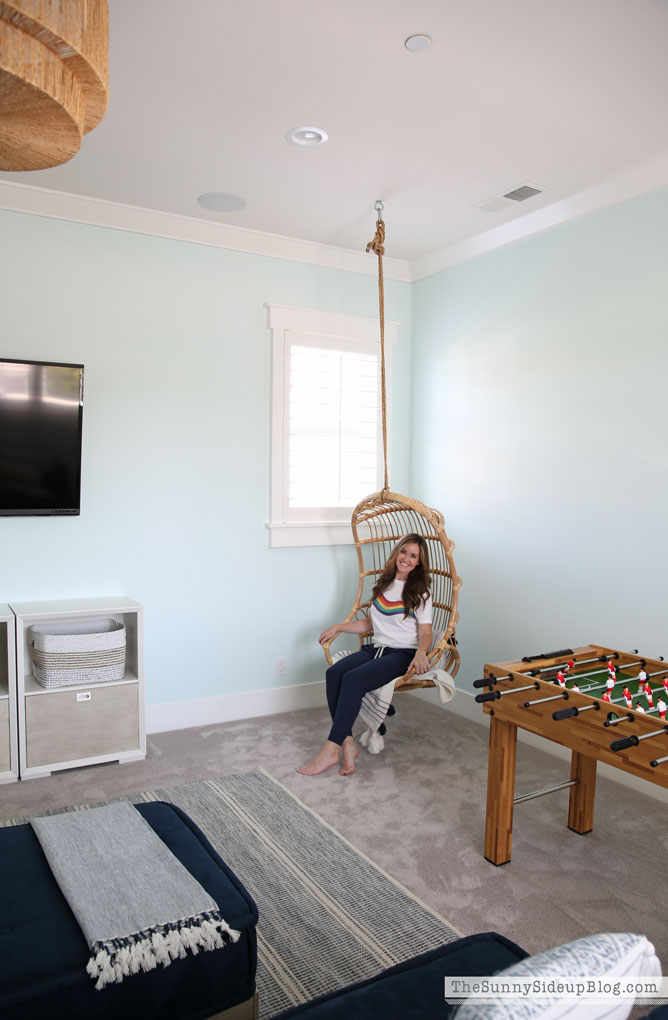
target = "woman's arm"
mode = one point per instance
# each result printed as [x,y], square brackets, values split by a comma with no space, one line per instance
[420,662]
[354,627]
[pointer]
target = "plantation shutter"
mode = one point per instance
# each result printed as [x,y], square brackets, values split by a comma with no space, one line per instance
[332,424]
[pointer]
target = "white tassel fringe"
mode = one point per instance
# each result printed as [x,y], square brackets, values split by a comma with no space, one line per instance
[110,962]
[373,741]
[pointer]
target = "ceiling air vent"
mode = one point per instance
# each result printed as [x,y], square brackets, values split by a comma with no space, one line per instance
[506,200]
[522,193]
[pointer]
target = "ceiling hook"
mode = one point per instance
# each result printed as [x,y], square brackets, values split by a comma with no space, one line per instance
[378,206]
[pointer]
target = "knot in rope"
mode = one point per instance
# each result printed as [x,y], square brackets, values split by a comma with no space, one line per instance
[378,243]
[378,246]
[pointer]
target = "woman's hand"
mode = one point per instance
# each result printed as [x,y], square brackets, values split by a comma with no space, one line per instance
[328,635]
[420,663]
[352,627]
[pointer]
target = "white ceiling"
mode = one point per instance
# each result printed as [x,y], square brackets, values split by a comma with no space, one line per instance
[566,95]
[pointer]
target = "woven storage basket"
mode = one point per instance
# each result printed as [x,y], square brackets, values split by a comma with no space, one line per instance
[77,652]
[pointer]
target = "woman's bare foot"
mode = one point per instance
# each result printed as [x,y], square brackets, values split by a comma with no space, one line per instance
[328,756]
[350,752]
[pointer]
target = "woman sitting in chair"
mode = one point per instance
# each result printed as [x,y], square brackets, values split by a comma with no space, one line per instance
[400,621]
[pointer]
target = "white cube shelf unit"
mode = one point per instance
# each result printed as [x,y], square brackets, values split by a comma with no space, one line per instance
[9,741]
[83,724]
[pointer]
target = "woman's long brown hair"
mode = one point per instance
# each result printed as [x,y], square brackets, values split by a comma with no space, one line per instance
[416,588]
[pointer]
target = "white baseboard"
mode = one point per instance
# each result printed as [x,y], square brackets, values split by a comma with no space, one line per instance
[464,704]
[179,715]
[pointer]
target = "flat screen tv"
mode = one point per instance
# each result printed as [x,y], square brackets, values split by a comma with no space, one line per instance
[41,419]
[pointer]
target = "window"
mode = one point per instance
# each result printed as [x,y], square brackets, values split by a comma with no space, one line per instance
[331,426]
[326,433]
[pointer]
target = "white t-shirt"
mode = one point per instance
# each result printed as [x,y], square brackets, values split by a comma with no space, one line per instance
[390,627]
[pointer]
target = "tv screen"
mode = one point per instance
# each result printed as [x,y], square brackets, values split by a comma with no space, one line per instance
[41,417]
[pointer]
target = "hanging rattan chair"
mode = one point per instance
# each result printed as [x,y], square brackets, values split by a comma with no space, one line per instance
[379,521]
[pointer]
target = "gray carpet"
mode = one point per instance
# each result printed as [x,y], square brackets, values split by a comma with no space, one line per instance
[418,811]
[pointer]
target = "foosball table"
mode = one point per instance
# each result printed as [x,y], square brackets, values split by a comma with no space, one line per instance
[603,704]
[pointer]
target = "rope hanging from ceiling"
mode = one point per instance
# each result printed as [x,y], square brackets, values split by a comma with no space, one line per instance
[380,520]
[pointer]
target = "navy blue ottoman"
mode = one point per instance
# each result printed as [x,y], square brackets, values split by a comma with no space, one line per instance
[414,990]
[43,953]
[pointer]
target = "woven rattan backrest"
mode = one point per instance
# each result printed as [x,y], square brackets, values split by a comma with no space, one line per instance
[378,522]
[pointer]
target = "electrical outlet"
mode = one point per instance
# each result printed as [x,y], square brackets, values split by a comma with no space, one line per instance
[280,667]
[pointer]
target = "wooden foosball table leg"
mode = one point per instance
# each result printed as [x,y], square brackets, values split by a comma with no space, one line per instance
[500,790]
[583,794]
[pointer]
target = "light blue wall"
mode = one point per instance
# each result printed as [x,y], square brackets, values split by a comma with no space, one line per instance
[176,447]
[540,428]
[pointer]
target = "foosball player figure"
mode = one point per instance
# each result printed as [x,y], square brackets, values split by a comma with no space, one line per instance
[606,696]
[627,697]
[639,707]
[642,678]
[570,664]
[647,691]
[661,705]
[610,682]
[561,679]
[612,669]
[575,687]
[665,684]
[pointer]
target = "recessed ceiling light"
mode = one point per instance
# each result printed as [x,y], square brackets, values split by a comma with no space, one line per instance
[416,43]
[221,201]
[307,136]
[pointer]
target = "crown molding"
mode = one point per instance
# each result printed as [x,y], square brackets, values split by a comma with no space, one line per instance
[25,198]
[95,212]
[638,181]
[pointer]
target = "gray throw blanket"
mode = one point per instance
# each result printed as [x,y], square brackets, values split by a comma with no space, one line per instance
[137,905]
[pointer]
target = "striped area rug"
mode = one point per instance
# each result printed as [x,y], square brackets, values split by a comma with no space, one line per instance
[328,915]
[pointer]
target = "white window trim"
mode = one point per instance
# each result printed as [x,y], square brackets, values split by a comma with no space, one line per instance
[282,319]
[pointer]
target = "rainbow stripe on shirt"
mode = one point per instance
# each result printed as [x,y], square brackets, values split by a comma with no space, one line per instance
[387,608]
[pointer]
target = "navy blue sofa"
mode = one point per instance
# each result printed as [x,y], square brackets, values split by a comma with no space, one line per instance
[43,953]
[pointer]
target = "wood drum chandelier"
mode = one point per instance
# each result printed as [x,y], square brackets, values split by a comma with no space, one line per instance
[54,79]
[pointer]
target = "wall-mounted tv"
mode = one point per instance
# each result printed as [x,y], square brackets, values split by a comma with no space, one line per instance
[41,419]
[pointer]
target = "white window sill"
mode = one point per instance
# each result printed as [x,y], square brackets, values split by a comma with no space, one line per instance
[282,535]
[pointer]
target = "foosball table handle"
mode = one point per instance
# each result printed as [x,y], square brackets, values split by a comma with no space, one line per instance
[623,743]
[488,696]
[565,713]
[559,653]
